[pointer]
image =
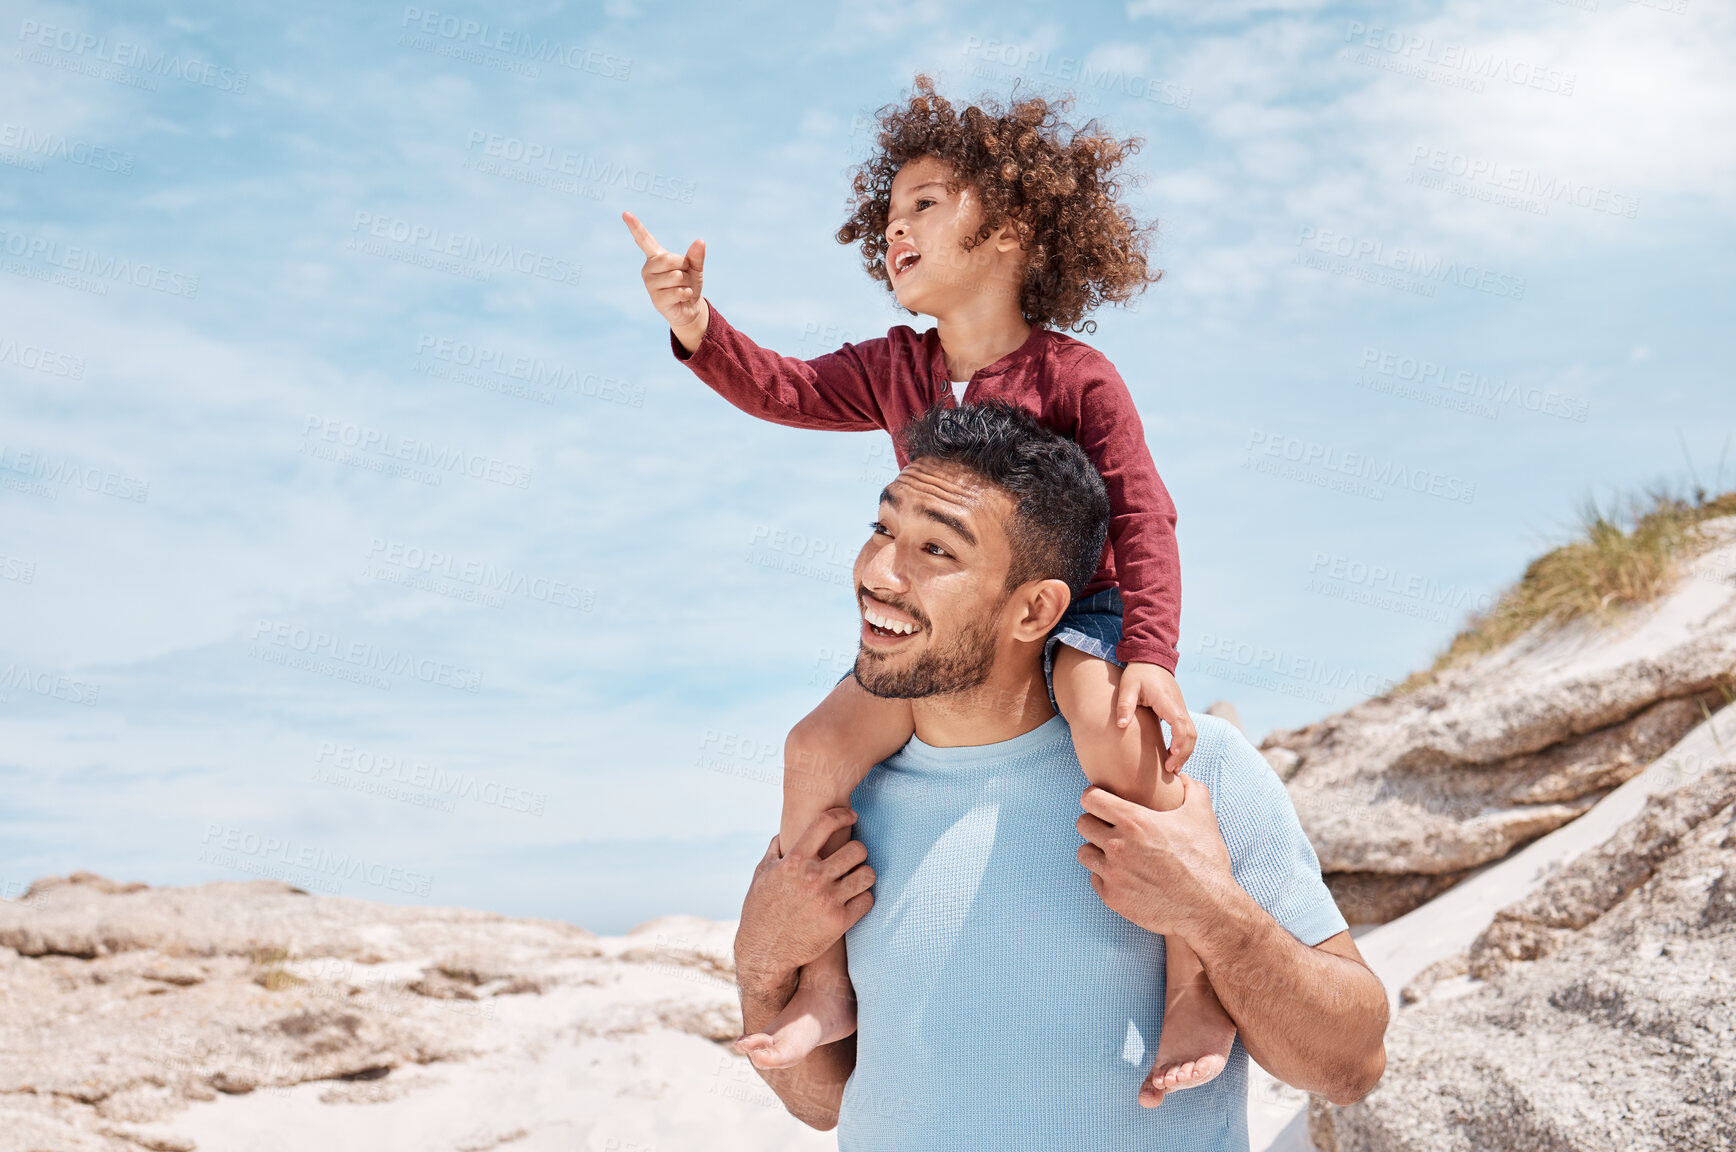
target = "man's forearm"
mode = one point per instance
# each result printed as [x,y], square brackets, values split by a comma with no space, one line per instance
[814,1089]
[1310,1017]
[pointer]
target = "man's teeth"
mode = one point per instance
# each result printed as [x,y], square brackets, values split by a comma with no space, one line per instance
[886,625]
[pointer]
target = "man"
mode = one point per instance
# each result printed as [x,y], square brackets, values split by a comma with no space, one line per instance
[1007,997]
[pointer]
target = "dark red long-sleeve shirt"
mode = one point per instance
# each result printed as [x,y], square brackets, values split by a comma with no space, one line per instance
[1066,384]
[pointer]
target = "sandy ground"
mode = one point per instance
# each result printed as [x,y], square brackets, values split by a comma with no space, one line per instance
[647,1093]
[536,1087]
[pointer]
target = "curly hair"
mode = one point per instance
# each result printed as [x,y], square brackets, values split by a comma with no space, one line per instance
[1053,183]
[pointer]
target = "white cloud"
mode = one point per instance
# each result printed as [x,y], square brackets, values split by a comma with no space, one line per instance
[1223,12]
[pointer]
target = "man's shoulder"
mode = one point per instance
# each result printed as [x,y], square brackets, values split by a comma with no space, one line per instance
[1223,751]
[1270,854]
[1247,793]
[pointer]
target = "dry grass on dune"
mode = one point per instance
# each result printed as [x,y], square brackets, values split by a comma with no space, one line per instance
[1623,558]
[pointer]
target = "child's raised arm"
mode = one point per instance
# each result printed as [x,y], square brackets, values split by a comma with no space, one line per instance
[836,391]
[674,283]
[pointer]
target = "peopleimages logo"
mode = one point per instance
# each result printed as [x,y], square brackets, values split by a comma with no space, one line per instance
[102,266]
[1279,666]
[314,644]
[50,146]
[85,46]
[1363,470]
[1482,394]
[46,470]
[531,371]
[436,241]
[39,359]
[802,555]
[422,453]
[1021,58]
[229,846]
[1531,187]
[383,770]
[1410,262]
[583,167]
[1424,57]
[53,684]
[475,33]
[1387,587]
[482,574]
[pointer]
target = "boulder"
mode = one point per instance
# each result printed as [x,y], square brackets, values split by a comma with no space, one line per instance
[1597,1013]
[1406,793]
[127,1006]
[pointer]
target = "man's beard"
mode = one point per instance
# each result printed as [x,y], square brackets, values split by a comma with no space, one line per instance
[964,665]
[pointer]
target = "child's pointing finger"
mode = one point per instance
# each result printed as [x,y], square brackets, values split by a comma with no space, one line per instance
[642,236]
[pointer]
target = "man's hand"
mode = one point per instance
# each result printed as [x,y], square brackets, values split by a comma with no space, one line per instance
[1164,871]
[1313,1017]
[675,283]
[800,904]
[1155,687]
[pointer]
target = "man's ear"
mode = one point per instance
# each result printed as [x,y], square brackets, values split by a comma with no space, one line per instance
[1039,606]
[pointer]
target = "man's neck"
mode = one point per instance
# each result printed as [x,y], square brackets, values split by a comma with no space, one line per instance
[975,336]
[1005,706]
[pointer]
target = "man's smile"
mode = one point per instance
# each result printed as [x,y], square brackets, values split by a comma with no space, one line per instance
[886,628]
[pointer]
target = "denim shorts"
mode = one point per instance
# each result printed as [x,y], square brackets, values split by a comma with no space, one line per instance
[1093,626]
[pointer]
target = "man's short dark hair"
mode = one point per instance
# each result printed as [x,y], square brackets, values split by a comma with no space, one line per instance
[1061,513]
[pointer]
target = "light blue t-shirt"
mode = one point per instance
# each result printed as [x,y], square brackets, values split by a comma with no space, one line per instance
[1001,1005]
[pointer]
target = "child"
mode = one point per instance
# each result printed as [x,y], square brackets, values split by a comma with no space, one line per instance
[1005,232]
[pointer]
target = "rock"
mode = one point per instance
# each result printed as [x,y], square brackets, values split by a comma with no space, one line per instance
[156,1142]
[233,1081]
[1597,881]
[686,942]
[1375,898]
[126,1005]
[1597,1014]
[30,1123]
[1425,981]
[1284,761]
[1224,710]
[71,917]
[140,1103]
[1424,786]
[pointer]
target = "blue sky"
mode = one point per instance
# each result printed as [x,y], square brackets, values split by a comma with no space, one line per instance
[357,526]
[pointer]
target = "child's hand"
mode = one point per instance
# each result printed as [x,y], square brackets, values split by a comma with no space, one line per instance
[1156,688]
[675,283]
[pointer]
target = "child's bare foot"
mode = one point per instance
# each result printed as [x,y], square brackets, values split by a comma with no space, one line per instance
[812,1018]
[1193,1046]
